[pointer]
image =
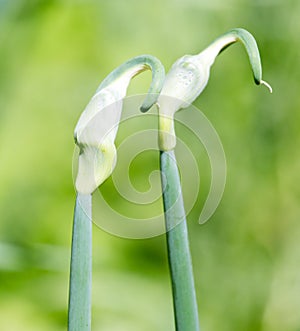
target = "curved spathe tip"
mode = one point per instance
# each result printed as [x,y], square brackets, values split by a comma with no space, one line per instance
[249,42]
[101,119]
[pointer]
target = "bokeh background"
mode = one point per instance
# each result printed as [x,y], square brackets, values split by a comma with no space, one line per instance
[53,54]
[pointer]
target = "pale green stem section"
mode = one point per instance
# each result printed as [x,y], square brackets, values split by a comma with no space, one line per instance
[79,318]
[180,263]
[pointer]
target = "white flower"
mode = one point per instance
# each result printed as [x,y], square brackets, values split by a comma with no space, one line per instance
[97,126]
[189,75]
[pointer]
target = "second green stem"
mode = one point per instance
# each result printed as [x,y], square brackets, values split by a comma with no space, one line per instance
[180,263]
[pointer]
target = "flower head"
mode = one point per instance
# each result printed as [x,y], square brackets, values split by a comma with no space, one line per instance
[189,75]
[97,126]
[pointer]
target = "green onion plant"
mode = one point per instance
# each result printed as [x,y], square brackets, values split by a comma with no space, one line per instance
[185,81]
[95,134]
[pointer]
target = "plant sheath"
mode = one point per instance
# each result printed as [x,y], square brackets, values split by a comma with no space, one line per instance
[79,318]
[184,296]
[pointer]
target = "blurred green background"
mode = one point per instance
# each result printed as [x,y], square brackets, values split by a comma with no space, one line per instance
[53,54]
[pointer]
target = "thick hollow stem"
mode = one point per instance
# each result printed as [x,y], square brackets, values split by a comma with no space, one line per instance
[79,318]
[184,296]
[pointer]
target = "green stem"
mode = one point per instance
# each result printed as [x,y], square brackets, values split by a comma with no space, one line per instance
[79,318]
[180,263]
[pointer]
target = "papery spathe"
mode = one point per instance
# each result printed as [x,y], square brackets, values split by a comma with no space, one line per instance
[189,75]
[97,126]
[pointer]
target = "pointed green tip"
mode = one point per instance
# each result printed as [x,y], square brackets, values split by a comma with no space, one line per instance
[144,109]
[148,102]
